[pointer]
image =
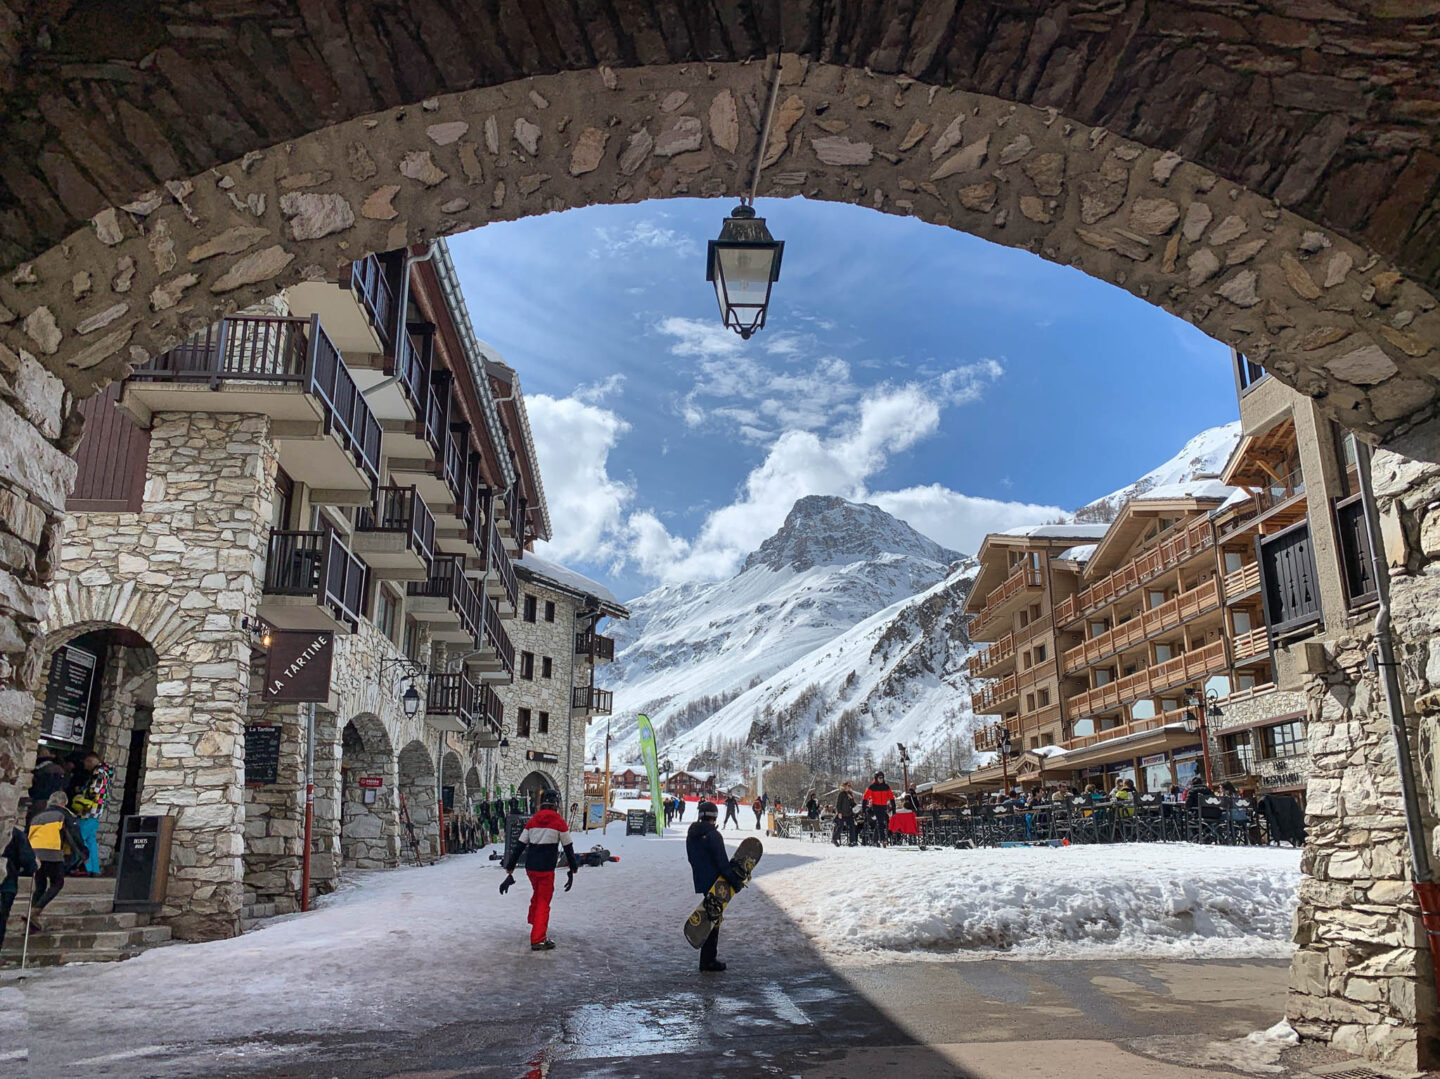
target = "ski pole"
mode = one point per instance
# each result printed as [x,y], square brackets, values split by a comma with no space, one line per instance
[29,910]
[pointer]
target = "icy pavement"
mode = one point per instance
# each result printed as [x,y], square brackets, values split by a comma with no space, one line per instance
[434,961]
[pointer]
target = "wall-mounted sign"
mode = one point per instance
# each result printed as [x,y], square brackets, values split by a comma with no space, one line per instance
[1189,753]
[541,758]
[262,754]
[68,695]
[297,667]
[1154,758]
[373,782]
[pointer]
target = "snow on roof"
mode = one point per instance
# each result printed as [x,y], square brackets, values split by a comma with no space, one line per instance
[1068,531]
[1207,487]
[1237,496]
[535,566]
[1078,554]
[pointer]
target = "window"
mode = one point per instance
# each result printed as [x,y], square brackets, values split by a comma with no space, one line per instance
[386,610]
[529,608]
[1029,702]
[546,666]
[527,665]
[412,638]
[1247,372]
[1285,739]
[1042,697]
[549,610]
[1348,457]
[1239,753]
[522,722]
[542,723]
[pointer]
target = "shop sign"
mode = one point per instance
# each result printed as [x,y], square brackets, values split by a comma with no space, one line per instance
[1282,779]
[1099,770]
[371,782]
[541,758]
[73,673]
[297,667]
[1153,759]
[1188,753]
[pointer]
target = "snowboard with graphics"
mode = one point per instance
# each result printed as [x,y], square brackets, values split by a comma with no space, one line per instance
[712,906]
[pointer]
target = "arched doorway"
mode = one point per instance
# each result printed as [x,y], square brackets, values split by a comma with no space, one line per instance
[369,831]
[98,697]
[452,796]
[531,786]
[417,791]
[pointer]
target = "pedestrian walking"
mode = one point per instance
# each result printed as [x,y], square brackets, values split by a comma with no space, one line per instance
[541,841]
[669,807]
[680,808]
[55,840]
[879,801]
[708,863]
[88,804]
[19,862]
[845,814]
[732,810]
[758,805]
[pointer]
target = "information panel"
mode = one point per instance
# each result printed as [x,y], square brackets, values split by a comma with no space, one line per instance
[262,754]
[73,674]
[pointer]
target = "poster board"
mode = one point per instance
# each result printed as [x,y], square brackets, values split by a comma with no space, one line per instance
[70,693]
[262,754]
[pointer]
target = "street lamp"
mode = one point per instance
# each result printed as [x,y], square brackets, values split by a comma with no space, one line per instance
[410,700]
[743,264]
[1200,706]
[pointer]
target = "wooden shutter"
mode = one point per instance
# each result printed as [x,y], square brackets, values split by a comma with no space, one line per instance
[1354,549]
[113,456]
[1287,572]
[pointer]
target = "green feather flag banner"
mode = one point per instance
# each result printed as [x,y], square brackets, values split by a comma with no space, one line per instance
[651,757]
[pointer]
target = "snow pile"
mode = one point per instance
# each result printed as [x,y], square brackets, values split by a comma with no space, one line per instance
[1137,900]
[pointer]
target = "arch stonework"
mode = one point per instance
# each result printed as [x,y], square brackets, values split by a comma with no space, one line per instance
[369,833]
[1330,316]
[416,782]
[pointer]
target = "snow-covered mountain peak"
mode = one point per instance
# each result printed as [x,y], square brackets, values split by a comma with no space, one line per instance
[823,530]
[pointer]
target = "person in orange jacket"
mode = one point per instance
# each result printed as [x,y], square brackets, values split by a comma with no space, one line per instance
[879,802]
[541,841]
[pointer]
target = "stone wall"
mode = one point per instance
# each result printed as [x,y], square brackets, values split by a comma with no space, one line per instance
[1362,974]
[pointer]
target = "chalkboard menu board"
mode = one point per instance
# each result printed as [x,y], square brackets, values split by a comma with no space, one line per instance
[638,822]
[73,674]
[514,825]
[262,754]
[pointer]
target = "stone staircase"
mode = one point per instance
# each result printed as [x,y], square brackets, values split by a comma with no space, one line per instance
[80,928]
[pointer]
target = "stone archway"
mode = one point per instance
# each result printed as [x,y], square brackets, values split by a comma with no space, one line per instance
[369,828]
[473,783]
[416,784]
[535,782]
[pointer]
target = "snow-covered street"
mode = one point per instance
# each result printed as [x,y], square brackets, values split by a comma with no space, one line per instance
[435,957]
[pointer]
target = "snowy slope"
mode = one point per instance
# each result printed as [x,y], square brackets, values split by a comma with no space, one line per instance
[1203,455]
[833,564]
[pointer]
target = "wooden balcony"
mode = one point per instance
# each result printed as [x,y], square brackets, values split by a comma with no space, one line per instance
[1157,620]
[1000,601]
[1165,555]
[1123,730]
[997,653]
[434,457]
[451,702]
[312,581]
[1248,645]
[1242,581]
[496,659]
[995,697]
[595,646]
[1180,671]
[589,701]
[285,368]
[446,601]
[397,536]
[512,523]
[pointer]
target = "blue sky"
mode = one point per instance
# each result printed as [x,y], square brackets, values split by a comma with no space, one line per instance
[961,385]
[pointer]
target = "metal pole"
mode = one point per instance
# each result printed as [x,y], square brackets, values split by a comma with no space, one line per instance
[309,806]
[1203,707]
[29,912]
[605,809]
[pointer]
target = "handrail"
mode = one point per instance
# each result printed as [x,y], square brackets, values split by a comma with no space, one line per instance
[400,509]
[1254,643]
[491,707]
[317,564]
[372,288]
[499,561]
[1169,615]
[409,371]
[499,639]
[1161,677]
[452,465]
[598,647]
[1238,582]
[446,580]
[452,695]
[591,700]
[1167,554]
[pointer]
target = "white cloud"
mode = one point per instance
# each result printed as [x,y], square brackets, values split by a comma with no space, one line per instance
[958,521]
[573,440]
[643,234]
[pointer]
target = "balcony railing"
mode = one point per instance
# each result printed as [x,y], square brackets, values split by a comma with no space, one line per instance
[1187,669]
[490,708]
[1023,578]
[1247,645]
[515,513]
[267,349]
[1165,555]
[1232,764]
[592,701]
[1122,730]
[498,562]
[498,639]
[401,509]
[1238,582]
[990,697]
[452,695]
[447,581]
[1147,624]
[371,285]
[452,463]
[599,648]
[437,413]
[1280,492]
[1001,650]
[410,371]
[319,565]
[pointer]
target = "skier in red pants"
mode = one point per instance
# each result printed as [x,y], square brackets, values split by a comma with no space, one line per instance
[541,841]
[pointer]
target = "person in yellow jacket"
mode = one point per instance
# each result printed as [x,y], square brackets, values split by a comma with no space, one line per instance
[55,839]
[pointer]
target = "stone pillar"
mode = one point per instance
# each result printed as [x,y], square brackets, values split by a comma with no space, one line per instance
[325,828]
[38,427]
[1362,976]
[275,815]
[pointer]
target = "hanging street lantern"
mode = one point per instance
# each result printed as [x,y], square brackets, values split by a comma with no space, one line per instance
[410,700]
[743,263]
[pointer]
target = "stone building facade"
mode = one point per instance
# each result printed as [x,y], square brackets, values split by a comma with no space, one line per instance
[552,701]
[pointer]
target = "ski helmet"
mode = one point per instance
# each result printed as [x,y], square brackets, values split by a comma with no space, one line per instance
[709,810]
[879,777]
[549,799]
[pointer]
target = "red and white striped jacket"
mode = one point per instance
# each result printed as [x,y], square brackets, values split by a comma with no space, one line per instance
[540,842]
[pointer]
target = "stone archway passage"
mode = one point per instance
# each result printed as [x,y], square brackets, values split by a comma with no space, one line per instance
[417,786]
[531,786]
[369,828]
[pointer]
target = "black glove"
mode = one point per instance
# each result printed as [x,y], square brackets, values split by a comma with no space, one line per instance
[505,884]
[570,879]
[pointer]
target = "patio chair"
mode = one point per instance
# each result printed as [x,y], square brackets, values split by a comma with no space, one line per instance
[1085,821]
[1209,824]
[1149,820]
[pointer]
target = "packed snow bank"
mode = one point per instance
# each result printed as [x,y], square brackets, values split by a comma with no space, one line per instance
[1067,902]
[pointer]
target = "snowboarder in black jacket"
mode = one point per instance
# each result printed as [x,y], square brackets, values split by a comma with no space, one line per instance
[708,863]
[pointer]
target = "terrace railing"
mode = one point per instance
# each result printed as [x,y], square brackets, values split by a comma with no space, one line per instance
[319,565]
[401,509]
